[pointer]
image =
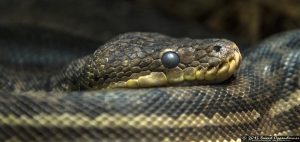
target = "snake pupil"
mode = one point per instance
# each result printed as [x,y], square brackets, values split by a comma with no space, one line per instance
[170,59]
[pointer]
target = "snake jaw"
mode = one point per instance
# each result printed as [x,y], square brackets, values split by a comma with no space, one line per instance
[222,71]
[226,69]
[174,76]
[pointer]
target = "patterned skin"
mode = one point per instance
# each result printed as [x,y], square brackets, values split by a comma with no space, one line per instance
[262,98]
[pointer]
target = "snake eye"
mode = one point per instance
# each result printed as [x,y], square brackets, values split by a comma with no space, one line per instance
[170,59]
[217,48]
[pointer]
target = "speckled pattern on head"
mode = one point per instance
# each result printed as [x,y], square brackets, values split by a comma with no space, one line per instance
[134,60]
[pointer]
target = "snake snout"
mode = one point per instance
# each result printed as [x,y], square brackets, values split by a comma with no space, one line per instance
[223,60]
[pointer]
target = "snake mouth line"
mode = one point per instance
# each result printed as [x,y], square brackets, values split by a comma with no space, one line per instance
[192,75]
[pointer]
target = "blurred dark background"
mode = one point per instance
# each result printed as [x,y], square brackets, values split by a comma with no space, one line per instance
[246,22]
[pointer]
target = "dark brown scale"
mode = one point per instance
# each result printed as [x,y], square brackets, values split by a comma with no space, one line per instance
[135,62]
[144,72]
[160,68]
[182,66]
[146,61]
[106,77]
[204,65]
[134,76]
[187,55]
[141,55]
[133,56]
[214,61]
[116,63]
[156,55]
[155,64]
[124,78]
[200,54]
[204,59]
[112,75]
[195,64]
[120,74]
[125,69]
[118,68]
[110,70]
[128,73]
[135,69]
[97,73]
[113,79]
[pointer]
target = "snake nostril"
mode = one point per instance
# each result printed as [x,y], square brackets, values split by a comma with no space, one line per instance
[217,48]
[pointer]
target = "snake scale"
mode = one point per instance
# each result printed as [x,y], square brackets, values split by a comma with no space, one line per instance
[67,103]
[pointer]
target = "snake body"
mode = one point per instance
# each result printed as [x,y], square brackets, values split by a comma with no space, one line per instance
[262,98]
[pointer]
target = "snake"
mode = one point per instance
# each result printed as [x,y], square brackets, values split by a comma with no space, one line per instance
[150,87]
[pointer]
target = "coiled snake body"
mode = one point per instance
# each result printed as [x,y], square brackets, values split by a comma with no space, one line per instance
[262,97]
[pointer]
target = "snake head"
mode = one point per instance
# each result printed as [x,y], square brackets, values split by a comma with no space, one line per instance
[135,60]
